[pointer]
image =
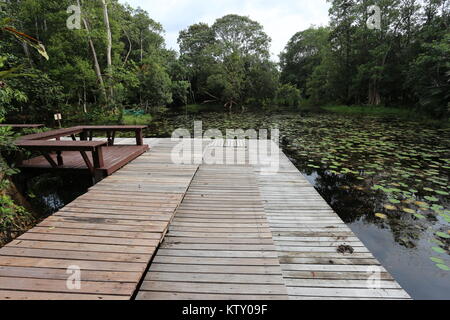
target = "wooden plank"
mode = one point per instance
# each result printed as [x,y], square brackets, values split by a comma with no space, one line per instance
[204,259]
[28,295]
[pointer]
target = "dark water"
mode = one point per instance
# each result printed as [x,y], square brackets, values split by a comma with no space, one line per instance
[49,192]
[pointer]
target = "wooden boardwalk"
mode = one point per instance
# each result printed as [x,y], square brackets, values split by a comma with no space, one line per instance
[220,245]
[110,233]
[233,232]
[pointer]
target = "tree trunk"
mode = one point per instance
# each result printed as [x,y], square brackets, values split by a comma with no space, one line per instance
[142,48]
[97,68]
[26,50]
[108,47]
[129,49]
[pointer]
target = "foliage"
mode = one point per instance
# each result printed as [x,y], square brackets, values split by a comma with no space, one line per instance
[288,95]
[404,63]
[143,119]
[11,215]
[229,62]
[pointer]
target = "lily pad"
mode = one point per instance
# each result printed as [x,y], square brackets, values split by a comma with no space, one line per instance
[443,267]
[438,250]
[419,216]
[382,216]
[443,235]
[432,199]
[437,260]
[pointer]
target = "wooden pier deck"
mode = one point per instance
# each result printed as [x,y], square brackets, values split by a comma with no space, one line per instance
[233,232]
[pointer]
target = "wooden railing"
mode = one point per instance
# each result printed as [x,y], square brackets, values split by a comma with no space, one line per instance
[50,142]
[47,147]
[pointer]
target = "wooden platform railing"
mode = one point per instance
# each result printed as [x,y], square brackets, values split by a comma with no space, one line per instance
[86,133]
[104,158]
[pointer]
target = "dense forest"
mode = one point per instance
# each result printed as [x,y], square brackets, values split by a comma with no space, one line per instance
[114,58]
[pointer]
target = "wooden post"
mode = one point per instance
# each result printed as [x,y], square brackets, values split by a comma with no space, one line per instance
[50,160]
[111,136]
[59,158]
[97,155]
[83,136]
[88,162]
[139,137]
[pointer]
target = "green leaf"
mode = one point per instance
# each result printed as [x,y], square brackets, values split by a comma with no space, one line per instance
[443,267]
[29,40]
[381,215]
[443,235]
[438,250]
[432,199]
[437,260]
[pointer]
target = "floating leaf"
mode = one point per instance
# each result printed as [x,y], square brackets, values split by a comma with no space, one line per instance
[437,260]
[438,250]
[443,267]
[443,235]
[390,207]
[381,215]
[407,210]
[432,199]
[419,216]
